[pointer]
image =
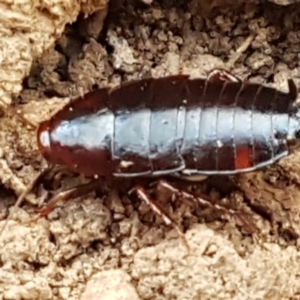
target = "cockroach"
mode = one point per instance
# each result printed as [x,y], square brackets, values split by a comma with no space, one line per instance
[173,126]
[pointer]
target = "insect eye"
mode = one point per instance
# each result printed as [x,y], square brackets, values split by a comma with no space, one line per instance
[297,134]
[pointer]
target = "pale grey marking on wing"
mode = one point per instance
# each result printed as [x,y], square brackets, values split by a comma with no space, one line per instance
[90,132]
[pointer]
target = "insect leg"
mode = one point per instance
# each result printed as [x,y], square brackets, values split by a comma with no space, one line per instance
[190,178]
[205,201]
[76,191]
[221,75]
[156,208]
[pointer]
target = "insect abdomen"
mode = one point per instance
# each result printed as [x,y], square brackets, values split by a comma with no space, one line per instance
[171,125]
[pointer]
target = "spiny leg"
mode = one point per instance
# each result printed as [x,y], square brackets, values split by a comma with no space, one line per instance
[204,200]
[221,75]
[156,208]
[76,191]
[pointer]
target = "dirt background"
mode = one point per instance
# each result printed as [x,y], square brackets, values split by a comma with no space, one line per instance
[107,245]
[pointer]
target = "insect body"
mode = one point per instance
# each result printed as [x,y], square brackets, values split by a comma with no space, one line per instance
[173,125]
